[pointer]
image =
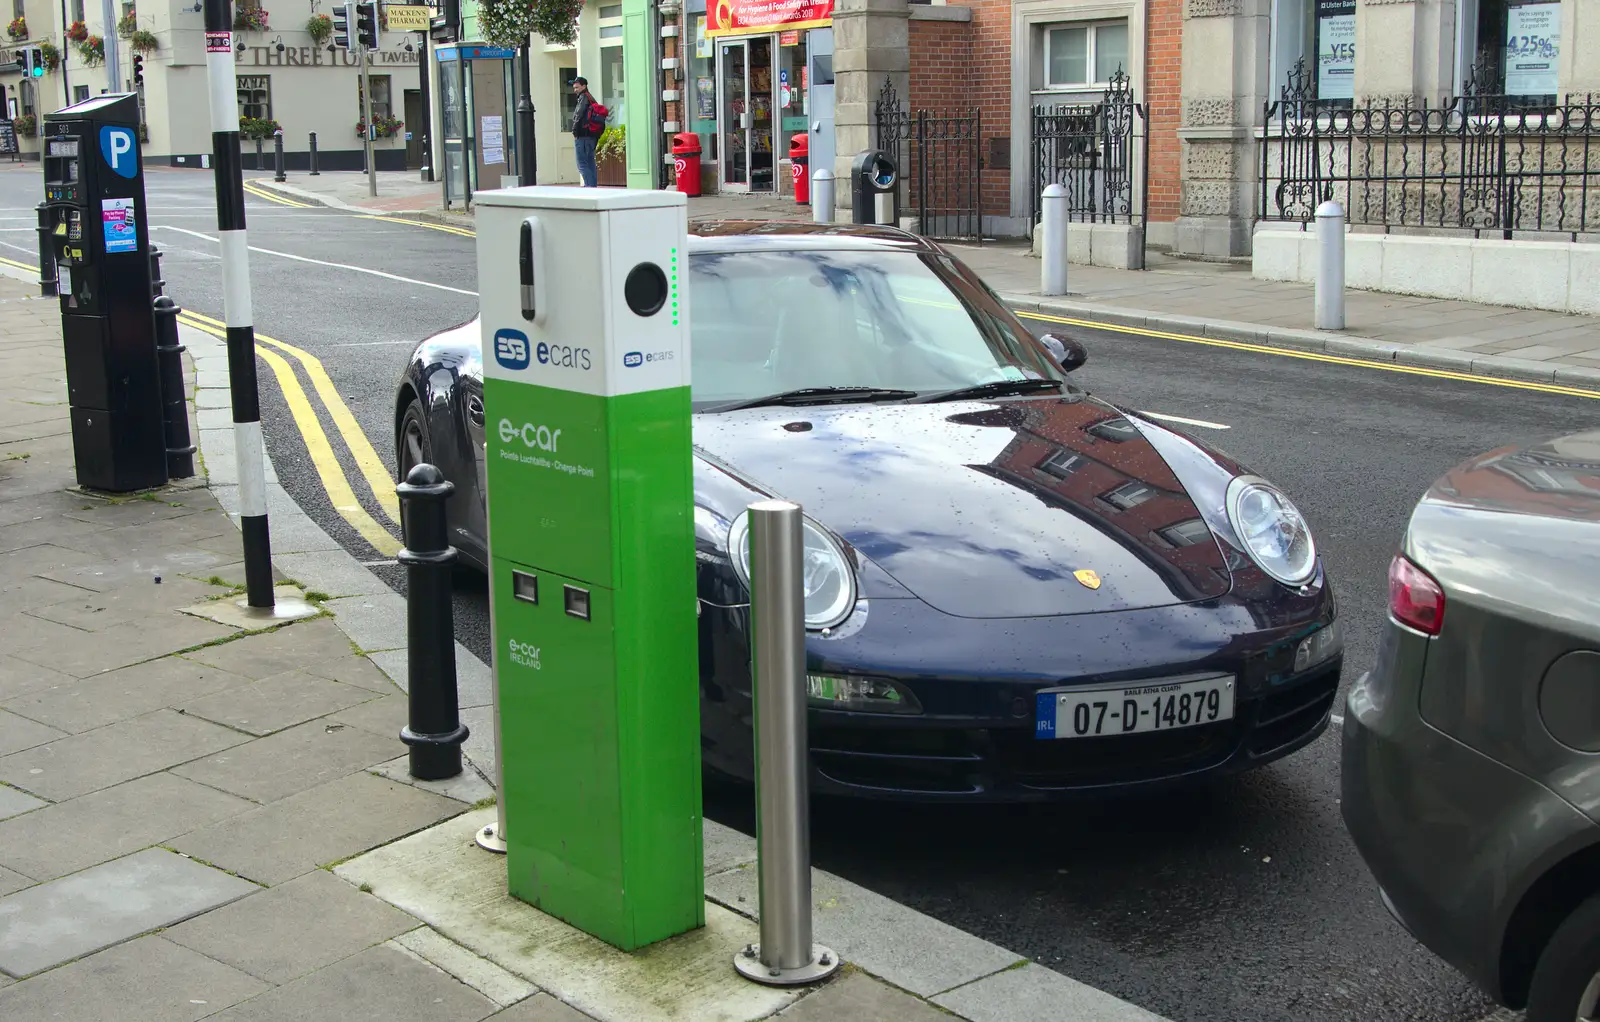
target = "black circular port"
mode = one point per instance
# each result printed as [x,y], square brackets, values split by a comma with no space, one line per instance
[645,289]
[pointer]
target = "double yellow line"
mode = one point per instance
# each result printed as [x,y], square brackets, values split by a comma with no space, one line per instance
[334,482]
[21,266]
[1312,356]
[465,232]
[251,188]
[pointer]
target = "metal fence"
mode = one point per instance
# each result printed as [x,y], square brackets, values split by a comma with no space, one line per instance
[939,161]
[1484,163]
[1095,152]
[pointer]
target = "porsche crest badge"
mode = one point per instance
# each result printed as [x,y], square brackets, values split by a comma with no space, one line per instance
[1087,577]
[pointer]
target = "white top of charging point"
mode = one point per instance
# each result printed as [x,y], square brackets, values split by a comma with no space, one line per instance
[597,200]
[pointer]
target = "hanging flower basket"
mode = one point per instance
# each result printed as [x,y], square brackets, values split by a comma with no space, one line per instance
[18,29]
[27,125]
[77,31]
[92,51]
[128,24]
[382,127]
[250,19]
[51,55]
[319,28]
[257,127]
[143,41]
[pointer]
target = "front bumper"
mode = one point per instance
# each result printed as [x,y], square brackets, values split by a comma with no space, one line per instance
[977,682]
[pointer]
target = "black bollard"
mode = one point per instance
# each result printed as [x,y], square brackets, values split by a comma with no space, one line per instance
[277,157]
[258,154]
[174,406]
[435,731]
[314,170]
[49,275]
[157,285]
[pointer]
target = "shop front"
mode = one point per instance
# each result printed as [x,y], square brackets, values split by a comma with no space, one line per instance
[761,74]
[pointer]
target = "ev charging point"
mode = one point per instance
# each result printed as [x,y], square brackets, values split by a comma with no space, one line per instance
[588,466]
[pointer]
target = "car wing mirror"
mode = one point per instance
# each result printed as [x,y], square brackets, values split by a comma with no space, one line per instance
[1068,353]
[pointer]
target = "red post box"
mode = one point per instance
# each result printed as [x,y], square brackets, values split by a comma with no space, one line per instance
[799,160]
[686,162]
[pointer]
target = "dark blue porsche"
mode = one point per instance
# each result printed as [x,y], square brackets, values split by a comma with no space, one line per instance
[1014,590]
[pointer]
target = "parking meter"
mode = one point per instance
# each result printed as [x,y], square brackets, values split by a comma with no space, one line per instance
[95,209]
[591,546]
[873,174]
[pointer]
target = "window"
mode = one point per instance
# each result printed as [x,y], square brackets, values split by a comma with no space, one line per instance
[381,106]
[1187,532]
[1510,49]
[1061,464]
[19,8]
[1089,54]
[611,91]
[569,100]
[80,93]
[1130,494]
[25,88]
[255,97]
[77,10]
[1116,430]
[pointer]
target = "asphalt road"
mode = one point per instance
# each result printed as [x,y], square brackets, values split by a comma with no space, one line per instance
[1242,900]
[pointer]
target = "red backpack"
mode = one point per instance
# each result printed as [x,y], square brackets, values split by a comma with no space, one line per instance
[596,121]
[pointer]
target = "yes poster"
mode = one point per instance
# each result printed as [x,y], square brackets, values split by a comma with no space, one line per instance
[1336,49]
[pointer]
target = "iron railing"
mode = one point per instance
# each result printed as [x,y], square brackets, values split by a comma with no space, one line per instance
[939,161]
[1096,151]
[1484,163]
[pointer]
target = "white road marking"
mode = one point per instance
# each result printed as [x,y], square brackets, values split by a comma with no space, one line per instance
[336,266]
[1337,718]
[1202,423]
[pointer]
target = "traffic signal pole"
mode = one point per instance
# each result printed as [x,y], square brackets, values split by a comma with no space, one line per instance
[241,335]
[112,50]
[366,118]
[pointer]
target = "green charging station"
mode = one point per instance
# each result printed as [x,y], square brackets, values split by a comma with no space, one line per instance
[591,544]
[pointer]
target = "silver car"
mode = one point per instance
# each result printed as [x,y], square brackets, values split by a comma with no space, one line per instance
[1472,749]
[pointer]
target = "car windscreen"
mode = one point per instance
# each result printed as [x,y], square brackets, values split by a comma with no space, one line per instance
[769,322]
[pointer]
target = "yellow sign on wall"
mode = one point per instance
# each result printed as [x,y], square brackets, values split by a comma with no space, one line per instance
[407,18]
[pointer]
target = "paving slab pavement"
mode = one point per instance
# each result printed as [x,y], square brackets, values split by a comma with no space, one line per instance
[180,797]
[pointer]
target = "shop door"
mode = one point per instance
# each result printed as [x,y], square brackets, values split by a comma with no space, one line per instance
[414,129]
[733,114]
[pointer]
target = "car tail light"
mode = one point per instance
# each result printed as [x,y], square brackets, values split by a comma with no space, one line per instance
[1415,599]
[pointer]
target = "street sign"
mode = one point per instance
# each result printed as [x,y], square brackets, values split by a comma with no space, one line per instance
[219,42]
[406,17]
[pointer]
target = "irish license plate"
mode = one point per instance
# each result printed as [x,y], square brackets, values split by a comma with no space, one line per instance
[1165,706]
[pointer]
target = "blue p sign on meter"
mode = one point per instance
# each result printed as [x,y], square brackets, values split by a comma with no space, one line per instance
[116,146]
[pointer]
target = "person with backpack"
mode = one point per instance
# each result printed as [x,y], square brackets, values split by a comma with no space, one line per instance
[588,123]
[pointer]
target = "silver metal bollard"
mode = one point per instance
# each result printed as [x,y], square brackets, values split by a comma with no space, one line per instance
[822,196]
[1053,222]
[786,956]
[1330,266]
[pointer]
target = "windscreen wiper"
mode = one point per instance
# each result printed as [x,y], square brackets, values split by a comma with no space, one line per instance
[816,396]
[994,388]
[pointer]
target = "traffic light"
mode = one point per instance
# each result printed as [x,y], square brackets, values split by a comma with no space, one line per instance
[32,62]
[344,24]
[367,24]
[138,71]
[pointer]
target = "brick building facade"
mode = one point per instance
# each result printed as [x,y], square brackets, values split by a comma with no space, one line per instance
[1005,57]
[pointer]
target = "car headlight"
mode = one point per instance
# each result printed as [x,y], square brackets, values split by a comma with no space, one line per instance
[1273,532]
[829,581]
